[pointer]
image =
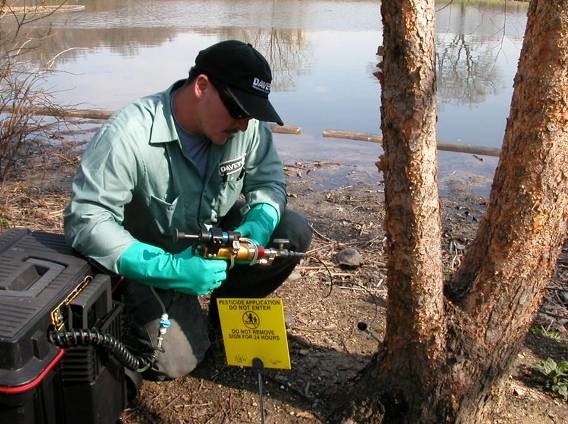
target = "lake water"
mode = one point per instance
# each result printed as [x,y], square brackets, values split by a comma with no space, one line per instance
[323,55]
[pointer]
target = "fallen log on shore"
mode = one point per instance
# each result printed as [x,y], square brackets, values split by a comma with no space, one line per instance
[376,138]
[286,129]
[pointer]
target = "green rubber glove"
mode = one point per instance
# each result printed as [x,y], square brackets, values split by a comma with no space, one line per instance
[182,272]
[259,223]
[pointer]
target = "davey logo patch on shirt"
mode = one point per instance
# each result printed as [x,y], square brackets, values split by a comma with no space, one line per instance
[231,166]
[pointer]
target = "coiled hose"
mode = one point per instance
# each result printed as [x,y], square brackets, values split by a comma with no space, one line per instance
[96,338]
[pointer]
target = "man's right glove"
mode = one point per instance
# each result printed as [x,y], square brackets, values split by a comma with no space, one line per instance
[182,271]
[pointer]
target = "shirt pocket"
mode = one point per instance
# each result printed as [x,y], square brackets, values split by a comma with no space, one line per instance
[165,214]
[231,188]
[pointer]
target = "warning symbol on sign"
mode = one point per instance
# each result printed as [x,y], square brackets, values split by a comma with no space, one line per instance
[251,320]
[254,328]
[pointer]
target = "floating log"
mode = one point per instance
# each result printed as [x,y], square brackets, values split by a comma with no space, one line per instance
[474,150]
[350,135]
[376,138]
[105,114]
[286,129]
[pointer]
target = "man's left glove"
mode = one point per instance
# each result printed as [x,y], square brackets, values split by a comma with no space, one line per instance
[259,223]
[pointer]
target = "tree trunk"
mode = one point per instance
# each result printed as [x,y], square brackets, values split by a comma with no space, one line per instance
[505,271]
[441,357]
[415,332]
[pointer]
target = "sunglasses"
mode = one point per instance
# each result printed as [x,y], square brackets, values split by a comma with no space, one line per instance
[230,101]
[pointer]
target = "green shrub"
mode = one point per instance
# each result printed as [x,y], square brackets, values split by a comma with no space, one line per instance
[556,374]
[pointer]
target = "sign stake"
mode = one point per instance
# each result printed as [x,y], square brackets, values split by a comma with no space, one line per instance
[258,365]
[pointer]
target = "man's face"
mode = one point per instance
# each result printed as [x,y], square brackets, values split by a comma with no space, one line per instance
[216,122]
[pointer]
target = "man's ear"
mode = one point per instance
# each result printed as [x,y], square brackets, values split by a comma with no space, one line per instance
[201,85]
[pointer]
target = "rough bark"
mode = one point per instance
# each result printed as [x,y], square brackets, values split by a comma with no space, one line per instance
[414,342]
[527,207]
[506,269]
[441,358]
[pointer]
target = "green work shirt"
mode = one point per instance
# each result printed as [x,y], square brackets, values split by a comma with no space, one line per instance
[134,182]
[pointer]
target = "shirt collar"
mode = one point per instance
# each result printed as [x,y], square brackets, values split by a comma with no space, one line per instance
[164,127]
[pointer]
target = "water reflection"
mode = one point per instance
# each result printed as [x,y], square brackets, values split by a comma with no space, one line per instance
[285,50]
[322,53]
[130,26]
[466,70]
[469,42]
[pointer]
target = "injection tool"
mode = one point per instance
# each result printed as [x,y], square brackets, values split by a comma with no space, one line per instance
[215,243]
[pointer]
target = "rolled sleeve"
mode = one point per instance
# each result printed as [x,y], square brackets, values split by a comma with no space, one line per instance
[264,178]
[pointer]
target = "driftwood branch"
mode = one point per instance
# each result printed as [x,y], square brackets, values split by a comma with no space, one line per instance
[376,138]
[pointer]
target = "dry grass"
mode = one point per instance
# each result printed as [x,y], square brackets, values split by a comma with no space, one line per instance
[38,189]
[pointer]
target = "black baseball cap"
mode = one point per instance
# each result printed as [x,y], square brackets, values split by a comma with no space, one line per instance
[245,72]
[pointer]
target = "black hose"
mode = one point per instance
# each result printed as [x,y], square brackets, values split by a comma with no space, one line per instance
[96,338]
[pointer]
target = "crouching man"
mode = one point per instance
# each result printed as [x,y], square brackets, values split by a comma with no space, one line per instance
[180,160]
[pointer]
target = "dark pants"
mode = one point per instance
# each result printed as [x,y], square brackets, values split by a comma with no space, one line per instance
[186,341]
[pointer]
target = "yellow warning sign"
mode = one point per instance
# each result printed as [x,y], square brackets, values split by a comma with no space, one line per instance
[254,328]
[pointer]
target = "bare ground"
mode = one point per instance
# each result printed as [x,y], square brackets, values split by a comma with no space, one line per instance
[323,301]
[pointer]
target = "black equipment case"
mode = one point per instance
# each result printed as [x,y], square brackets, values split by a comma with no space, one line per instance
[44,286]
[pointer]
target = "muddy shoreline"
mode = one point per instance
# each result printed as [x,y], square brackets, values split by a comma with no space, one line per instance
[343,200]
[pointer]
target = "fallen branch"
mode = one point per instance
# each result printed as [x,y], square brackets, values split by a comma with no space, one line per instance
[376,138]
[317,233]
